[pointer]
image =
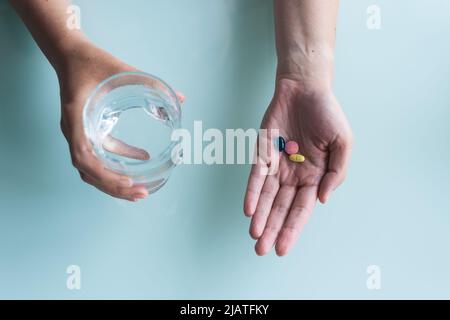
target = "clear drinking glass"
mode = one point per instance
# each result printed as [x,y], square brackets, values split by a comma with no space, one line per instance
[142,111]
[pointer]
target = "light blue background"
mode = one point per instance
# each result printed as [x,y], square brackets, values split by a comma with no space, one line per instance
[190,240]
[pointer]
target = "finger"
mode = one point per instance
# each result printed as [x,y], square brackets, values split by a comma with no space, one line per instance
[259,219]
[94,173]
[84,160]
[181,97]
[254,187]
[92,169]
[116,146]
[299,214]
[278,214]
[336,171]
[114,184]
[262,167]
[133,193]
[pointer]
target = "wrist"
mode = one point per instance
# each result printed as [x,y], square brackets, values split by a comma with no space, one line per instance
[310,68]
[67,50]
[84,65]
[289,87]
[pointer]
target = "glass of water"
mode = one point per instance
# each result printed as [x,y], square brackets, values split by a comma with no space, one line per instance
[140,110]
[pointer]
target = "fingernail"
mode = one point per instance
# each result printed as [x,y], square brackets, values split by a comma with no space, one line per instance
[126,182]
[139,196]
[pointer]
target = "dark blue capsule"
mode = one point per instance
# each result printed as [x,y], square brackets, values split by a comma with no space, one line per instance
[281,144]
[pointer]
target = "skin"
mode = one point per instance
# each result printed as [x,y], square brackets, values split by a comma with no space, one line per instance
[304,109]
[80,66]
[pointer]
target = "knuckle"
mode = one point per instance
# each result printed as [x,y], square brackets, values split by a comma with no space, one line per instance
[84,177]
[78,154]
[106,188]
[279,209]
[271,229]
[75,160]
[266,193]
[290,229]
[117,190]
[344,141]
[298,211]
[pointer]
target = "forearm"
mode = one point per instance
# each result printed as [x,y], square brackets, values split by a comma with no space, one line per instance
[47,22]
[305,37]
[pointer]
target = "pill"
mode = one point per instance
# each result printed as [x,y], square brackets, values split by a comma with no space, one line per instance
[281,144]
[291,147]
[297,157]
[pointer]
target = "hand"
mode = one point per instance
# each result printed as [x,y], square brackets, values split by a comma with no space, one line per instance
[280,204]
[80,73]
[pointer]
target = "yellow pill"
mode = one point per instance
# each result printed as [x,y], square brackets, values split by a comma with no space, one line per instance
[297,157]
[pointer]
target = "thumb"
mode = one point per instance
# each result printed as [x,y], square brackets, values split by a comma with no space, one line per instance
[116,146]
[181,97]
[339,156]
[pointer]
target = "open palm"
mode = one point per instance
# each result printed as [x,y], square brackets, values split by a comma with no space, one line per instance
[280,204]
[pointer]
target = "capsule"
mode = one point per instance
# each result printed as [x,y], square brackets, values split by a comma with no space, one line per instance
[281,144]
[297,157]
